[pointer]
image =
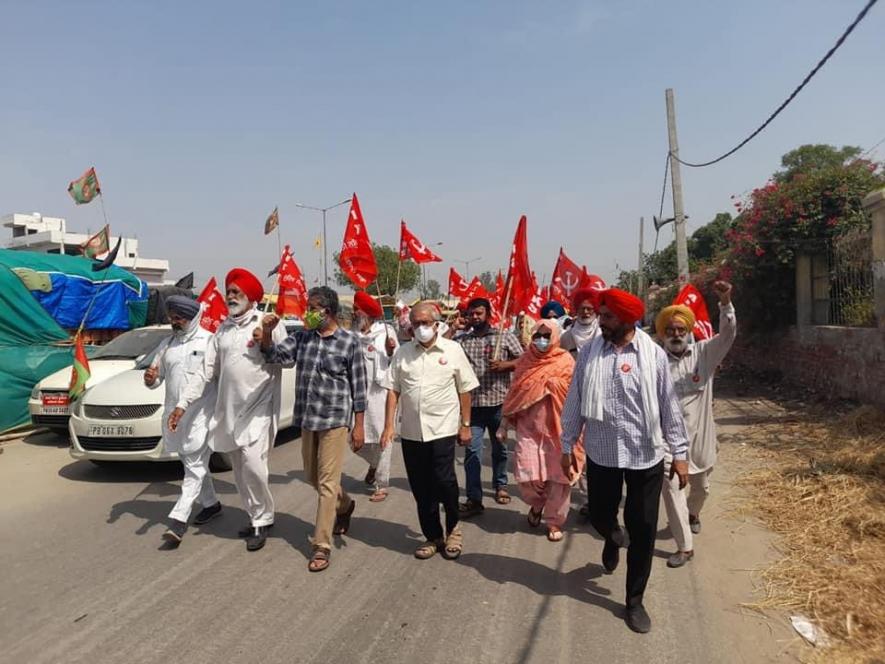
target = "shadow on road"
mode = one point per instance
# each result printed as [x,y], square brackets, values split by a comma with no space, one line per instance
[46,439]
[377,533]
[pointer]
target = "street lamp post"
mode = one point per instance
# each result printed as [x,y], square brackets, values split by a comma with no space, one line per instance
[325,244]
[467,265]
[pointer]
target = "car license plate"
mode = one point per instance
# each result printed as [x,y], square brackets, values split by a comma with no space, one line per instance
[56,410]
[56,400]
[110,431]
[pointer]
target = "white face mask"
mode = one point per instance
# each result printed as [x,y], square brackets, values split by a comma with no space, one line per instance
[541,343]
[424,333]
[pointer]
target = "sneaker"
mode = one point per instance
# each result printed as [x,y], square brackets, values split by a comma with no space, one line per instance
[249,530]
[207,514]
[679,558]
[638,620]
[175,532]
[257,539]
[694,523]
[470,508]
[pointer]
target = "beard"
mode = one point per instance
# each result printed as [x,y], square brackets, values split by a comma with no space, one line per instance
[676,345]
[615,334]
[238,306]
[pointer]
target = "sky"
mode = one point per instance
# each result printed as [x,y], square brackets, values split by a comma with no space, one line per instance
[460,116]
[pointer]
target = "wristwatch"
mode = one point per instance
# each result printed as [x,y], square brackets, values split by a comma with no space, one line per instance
[465,424]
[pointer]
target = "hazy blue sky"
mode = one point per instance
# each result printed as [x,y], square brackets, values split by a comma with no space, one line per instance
[458,116]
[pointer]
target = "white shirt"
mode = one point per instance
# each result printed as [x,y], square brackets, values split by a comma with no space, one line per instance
[429,382]
[248,403]
[377,377]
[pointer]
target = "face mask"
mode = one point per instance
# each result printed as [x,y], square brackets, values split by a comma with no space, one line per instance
[314,320]
[237,305]
[424,333]
[541,343]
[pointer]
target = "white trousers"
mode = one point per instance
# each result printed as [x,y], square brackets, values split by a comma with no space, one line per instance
[251,477]
[379,460]
[196,486]
[679,503]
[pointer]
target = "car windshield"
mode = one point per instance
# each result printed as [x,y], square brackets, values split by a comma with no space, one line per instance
[132,344]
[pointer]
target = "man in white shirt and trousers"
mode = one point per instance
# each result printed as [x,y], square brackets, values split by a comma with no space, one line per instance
[692,367]
[246,416]
[177,357]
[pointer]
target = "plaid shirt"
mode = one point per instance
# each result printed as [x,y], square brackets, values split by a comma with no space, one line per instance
[331,377]
[479,349]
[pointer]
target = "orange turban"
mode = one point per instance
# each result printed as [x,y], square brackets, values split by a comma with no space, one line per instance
[626,306]
[246,282]
[368,305]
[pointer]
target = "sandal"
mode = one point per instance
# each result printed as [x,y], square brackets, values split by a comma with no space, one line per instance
[534,518]
[342,521]
[554,534]
[502,497]
[427,550]
[319,560]
[378,496]
[454,544]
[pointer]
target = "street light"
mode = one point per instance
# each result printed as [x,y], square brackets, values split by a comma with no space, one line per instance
[325,245]
[467,265]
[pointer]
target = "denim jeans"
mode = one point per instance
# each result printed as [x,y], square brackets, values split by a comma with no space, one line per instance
[484,419]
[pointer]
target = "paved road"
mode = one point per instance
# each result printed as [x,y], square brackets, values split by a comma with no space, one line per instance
[83,579]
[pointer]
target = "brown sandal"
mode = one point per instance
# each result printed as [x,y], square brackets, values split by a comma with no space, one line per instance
[342,521]
[534,518]
[454,544]
[378,496]
[427,550]
[319,560]
[502,497]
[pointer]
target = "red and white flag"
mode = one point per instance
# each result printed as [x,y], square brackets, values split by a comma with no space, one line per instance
[591,281]
[411,247]
[691,297]
[535,301]
[292,293]
[567,278]
[519,274]
[214,307]
[457,284]
[357,260]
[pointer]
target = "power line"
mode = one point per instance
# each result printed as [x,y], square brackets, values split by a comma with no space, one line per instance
[787,101]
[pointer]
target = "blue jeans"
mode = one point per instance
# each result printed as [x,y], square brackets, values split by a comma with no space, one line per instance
[484,419]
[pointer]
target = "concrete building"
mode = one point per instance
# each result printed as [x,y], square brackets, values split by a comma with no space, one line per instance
[34,232]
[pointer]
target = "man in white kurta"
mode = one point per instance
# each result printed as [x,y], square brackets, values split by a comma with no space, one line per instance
[692,367]
[177,357]
[246,416]
[378,342]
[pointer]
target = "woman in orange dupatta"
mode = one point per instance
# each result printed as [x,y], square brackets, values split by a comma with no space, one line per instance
[533,407]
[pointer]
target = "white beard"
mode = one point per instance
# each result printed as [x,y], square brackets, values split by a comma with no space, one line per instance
[238,307]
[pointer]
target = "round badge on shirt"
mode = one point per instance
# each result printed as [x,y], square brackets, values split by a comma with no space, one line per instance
[695,379]
[371,348]
[443,361]
[625,368]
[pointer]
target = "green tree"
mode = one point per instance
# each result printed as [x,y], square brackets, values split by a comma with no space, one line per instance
[488,281]
[431,290]
[809,158]
[709,240]
[387,259]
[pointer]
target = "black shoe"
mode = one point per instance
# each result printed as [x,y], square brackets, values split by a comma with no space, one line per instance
[469,508]
[257,539]
[620,537]
[638,620]
[611,556]
[175,532]
[248,531]
[207,514]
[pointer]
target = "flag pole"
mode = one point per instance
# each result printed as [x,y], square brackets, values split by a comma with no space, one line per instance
[399,265]
[500,338]
[383,321]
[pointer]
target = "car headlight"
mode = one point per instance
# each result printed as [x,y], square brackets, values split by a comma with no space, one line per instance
[35,393]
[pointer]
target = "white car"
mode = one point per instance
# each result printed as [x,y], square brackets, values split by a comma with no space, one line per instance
[48,404]
[120,419]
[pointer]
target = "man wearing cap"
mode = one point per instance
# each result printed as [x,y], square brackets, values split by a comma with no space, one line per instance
[246,416]
[623,402]
[330,399]
[177,357]
[692,367]
[378,341]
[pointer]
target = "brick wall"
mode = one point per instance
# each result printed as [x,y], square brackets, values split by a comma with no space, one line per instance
[845,362]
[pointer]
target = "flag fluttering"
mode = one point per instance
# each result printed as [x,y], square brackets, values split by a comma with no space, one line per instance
[691,297]
[457,284]
[214,309]
[80,369]
[411,247]
[98,244]
[535,301]
[357,260]
[272,222]
[567,279]
[108,260]
[518,286]
[591,281]
[85,188]
[292,293]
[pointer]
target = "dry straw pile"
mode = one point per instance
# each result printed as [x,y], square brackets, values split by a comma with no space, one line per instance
[818,481]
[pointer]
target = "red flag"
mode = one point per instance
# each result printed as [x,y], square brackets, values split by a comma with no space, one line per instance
[457,285]
[519,274]
[535,300]
[474,289]
[591,281]
[79,371]
[567,279]
[357,260]
[412,247]
[692,298]
[214,306]
[292,297]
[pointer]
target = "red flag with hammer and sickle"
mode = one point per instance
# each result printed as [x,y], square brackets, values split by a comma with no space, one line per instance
[357,260]
[411,247]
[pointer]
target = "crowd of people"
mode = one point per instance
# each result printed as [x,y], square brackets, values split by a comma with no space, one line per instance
[590,399]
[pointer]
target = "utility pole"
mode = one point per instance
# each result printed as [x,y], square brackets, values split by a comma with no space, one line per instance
[676,182]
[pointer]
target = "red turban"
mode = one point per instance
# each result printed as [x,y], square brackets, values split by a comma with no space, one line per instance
[246,282]
[622,304]
[368,305]
[583,294]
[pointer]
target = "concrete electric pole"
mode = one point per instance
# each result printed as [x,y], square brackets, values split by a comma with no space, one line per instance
[676,182]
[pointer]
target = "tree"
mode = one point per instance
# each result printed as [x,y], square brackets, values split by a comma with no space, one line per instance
[809,158]
[387,259]
[431,290]
[709,240]
[488,281]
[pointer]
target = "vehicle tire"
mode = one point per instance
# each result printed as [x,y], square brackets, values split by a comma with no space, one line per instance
[219,462]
